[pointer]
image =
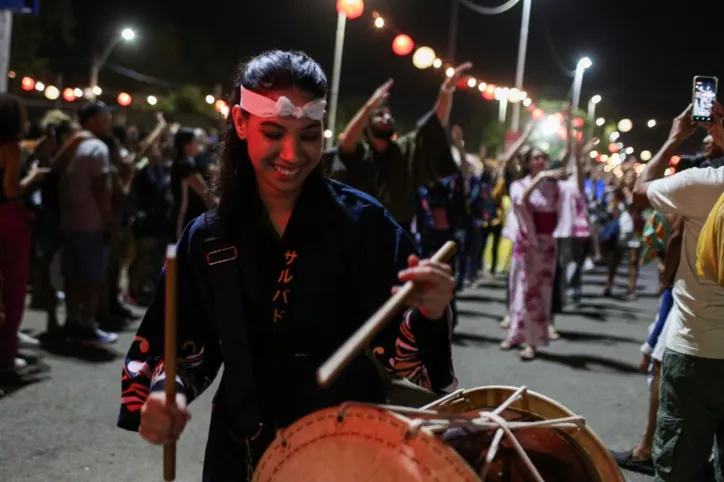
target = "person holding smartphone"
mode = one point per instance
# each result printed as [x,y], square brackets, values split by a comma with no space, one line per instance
[691,393]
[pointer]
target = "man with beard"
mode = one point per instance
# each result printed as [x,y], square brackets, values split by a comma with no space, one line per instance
[389,167]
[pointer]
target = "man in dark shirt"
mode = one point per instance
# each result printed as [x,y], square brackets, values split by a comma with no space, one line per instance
[389,167]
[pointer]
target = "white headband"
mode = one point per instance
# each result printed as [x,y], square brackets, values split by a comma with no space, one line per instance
[262,106]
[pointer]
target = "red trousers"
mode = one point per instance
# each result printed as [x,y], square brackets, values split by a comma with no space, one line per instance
[14,273]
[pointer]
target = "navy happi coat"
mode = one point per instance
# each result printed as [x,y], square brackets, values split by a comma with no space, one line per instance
[272,309]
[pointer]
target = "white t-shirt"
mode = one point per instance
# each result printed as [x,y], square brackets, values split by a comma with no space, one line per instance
[572,212]
[79,210]
[697,318]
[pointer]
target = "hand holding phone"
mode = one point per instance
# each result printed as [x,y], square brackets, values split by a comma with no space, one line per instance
[703,98]
[683,126]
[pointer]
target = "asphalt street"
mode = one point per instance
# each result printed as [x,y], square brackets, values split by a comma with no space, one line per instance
[60,425]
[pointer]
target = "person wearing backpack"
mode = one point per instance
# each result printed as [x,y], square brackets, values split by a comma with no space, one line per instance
[87,226]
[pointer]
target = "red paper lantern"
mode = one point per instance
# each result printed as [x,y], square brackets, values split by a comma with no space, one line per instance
[351,8]
[675,161]
[69,94]
[402,45]
[578,122]
[124,99]
[613,147]
[463,83]
[489,92]
[538,114]
[27,83]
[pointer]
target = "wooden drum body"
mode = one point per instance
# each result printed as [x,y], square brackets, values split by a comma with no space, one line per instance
[489,434]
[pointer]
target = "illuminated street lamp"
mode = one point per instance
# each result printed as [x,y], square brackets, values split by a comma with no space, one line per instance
[126,35]
[583,64]
[592,111]
[651,123]
[592,106]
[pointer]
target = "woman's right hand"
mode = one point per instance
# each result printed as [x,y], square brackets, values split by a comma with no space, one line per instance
[163,422]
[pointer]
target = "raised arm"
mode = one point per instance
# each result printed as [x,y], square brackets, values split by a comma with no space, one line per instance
[655,169]
[353,132]
[447,91]
[505,158]
[151,138]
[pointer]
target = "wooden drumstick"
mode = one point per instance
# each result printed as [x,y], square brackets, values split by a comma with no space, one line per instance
[331,369]
[169,449]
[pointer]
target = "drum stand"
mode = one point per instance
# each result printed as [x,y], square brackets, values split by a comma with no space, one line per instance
[438,421]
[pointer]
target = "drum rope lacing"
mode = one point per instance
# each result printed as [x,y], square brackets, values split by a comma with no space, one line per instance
[486,419]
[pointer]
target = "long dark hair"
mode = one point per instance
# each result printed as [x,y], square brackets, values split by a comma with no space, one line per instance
[267,72]
[183,137]
[527,157]
[12,118]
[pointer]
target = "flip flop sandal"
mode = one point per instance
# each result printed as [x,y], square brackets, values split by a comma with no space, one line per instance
[626,461]
[505,324]
[527,354]
[506,345]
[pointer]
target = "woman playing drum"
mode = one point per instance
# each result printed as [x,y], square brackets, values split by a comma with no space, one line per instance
[277,278]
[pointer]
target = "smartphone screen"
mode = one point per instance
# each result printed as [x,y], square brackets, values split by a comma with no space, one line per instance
[704,96]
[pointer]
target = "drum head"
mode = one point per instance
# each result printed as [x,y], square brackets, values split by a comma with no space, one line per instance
[367,444]
[585,446]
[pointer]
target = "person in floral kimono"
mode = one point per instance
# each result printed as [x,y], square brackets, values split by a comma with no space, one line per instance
[536,200]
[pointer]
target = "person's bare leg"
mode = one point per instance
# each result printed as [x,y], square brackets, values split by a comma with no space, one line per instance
[613,265]
[643,450]
[633,270]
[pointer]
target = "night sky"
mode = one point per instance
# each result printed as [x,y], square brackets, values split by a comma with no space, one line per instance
[644,54]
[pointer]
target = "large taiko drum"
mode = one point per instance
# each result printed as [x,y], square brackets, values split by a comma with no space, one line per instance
[489,434]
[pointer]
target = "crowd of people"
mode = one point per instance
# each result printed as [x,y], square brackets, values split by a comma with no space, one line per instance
[87,209]
[87,205]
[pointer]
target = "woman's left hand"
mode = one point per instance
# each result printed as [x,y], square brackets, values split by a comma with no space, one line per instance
[436,286]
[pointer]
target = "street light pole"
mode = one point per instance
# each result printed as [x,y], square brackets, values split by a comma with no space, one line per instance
[98,62]
[592,113]
[6,31]
[503,108]
[520,69]
[336,74]
[592,106]
[583,64]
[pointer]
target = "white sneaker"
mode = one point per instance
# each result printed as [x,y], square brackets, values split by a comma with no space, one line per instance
[17,366]
[588,265]
[27,341]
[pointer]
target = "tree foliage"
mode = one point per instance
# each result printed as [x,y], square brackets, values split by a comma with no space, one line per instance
[31,33]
